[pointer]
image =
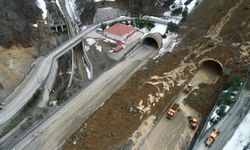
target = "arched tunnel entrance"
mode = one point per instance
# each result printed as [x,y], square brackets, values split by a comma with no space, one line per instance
[209,72]
[153,40]
[212,66]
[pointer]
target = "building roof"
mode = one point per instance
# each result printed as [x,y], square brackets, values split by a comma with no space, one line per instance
[119,29]
[117,48]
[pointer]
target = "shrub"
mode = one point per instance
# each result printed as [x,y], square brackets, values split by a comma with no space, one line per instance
[172,27]
[126,22]
[176,11]
[140,23]
[103,26]
[164,36]
[234,83]
[184,14]
[132,22]
[33,99]
[221,110]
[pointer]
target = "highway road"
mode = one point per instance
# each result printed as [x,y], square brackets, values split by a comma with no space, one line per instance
[38,75]
[53,131]
[228,124]
[166,134]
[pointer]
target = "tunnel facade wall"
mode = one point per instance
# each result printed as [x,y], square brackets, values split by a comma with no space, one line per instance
[153,36]
[210,62]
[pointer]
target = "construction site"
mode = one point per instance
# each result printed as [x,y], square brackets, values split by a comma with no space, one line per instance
[124,79]
[208,56]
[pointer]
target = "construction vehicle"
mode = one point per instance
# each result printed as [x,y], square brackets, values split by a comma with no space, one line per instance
[172,111]
[188,89]
[193,122]
[210,140]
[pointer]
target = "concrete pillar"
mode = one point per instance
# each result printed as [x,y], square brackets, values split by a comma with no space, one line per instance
[62,27]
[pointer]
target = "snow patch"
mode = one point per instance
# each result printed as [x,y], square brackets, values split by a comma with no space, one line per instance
[90,41]
[169,44]
[35,25]
[213,116]
[241,136]
[179,3]
[88,73]
[72,10]
[144,30]
[98,47]
[59,6]
[86,48]
[159,28]
[227,108]
[42,5]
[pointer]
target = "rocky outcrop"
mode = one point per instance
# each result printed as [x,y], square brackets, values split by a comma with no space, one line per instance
[17,17]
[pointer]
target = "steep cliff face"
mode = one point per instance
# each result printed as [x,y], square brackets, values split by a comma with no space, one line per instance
[87,8]
[17,17]
[146,7]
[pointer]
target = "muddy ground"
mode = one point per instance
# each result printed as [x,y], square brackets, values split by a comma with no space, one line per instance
[217,29]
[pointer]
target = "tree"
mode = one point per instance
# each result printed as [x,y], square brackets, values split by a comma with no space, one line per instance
[149,24]
[126,22]
[177,11]
[184,14]
[132,23]
[164,36]
[172,27]
[103,26]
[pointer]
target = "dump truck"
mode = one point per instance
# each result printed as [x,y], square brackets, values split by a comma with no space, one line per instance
[210,140]
[188,89]
[193,122]
[172,111]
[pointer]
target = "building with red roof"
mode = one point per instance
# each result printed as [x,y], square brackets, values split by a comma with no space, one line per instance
[119,32]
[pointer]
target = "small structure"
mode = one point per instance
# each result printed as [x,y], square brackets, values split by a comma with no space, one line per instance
[119,32]
[53,103]
[117,48]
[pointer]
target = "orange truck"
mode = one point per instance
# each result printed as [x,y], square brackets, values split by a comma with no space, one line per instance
[172,111]
[210,140]
[193,122]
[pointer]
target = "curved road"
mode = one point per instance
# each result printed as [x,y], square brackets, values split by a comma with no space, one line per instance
[53,131]
[22,94]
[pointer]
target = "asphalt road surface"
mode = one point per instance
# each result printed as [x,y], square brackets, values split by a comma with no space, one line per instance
[228,124]
[166,134]
[21,95]
[25,90]
[61,124]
